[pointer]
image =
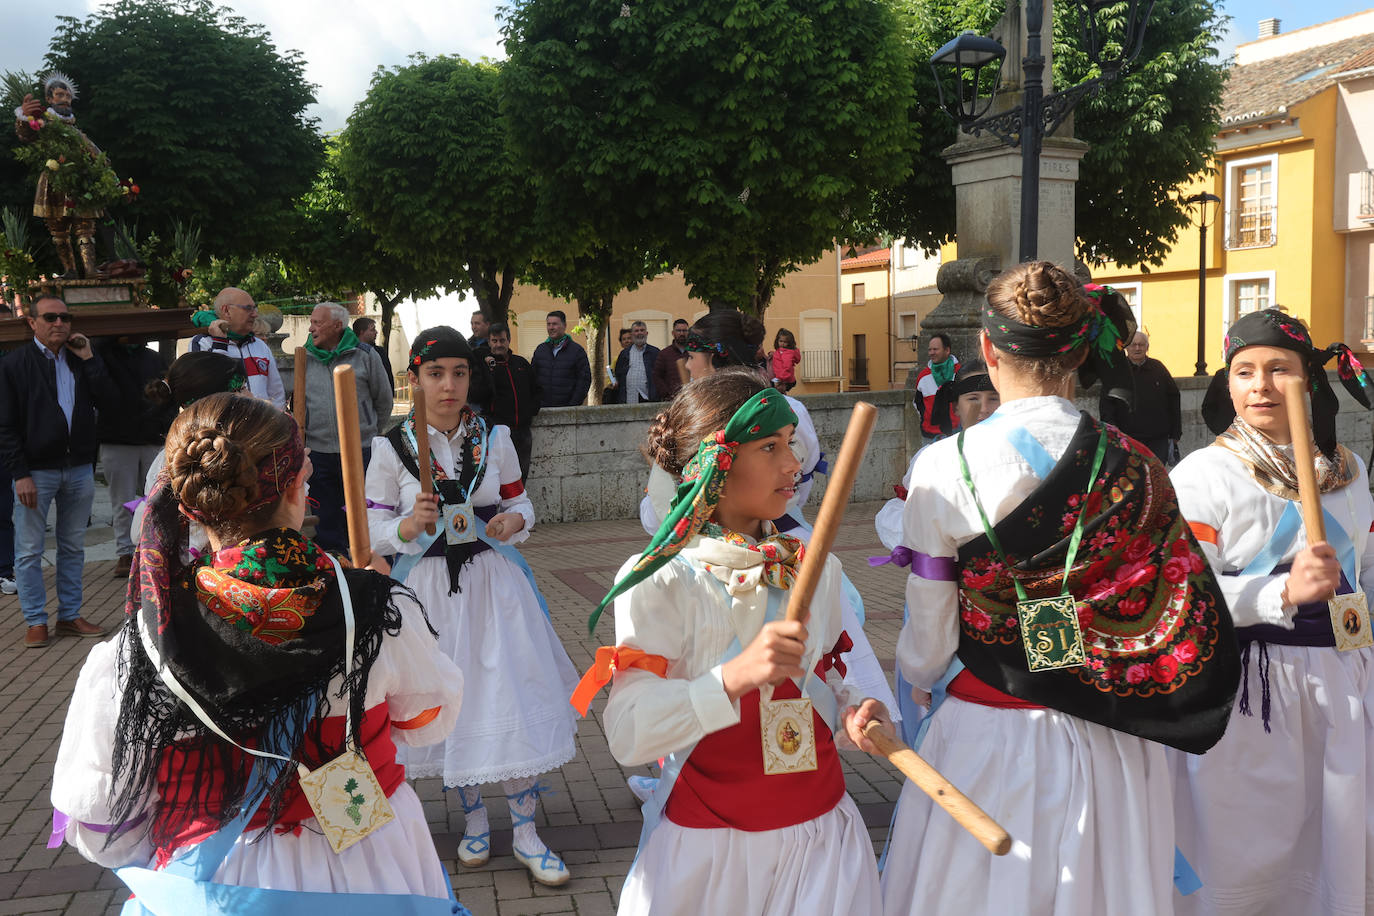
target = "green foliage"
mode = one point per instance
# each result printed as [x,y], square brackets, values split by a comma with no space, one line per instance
[425,167]
[75,169]
[199,104]
[264,277]
[17,266]
[739,137]
[1151,131]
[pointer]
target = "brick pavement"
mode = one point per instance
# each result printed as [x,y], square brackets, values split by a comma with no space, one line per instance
[591,817]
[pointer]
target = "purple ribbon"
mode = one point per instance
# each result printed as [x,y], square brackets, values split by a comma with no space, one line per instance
[900,556]
[372,505]
[60,822]
[133,504]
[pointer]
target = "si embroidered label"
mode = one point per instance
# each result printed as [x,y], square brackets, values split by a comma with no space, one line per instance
[347,799]
[788,732]
[1350,621]
[1049,630]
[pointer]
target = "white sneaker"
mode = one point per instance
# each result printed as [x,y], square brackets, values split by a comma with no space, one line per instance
[7,586]
[545,865]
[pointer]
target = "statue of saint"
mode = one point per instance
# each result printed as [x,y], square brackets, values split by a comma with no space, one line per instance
[60,214]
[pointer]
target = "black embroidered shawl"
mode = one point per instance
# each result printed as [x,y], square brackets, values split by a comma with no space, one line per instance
[1162,661]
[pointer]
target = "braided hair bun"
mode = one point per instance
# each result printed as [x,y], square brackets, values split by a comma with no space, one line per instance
[697,411]
[1040,294]
[212,474]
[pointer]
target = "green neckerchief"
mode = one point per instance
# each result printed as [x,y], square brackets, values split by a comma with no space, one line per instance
[347,343]
[943,372]
[1077,527]
[555,341]
[702,481]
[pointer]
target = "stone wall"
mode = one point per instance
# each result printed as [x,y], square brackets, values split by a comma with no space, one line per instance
[587,464]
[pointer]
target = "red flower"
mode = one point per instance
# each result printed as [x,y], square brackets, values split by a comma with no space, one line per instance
[1139,548]
[979,620]
[979,580]
[1166,669]
[1137,674]
[1186,651]
[1094,504]
[1085,615]
[680,529]
[1176,570]
[1180,548]
[1131,607]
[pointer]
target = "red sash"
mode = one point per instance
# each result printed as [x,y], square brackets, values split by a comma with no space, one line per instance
[967,687]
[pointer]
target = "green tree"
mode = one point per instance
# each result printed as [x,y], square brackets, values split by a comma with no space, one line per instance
[739,137]
[197,105]
[426,167]
[334,252]
[1150,131]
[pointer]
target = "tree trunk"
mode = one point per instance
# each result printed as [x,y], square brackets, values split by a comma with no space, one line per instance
[388,315]
[595,309]
[492,286]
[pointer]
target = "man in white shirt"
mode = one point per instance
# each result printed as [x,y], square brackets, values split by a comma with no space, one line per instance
[634,370]
[232,335]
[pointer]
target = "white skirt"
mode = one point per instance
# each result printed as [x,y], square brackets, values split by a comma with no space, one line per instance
[1089,810]
[823,866]
[397,859]
[516,720]
[1282,822]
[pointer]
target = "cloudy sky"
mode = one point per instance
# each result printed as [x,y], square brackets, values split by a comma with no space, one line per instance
[343,41]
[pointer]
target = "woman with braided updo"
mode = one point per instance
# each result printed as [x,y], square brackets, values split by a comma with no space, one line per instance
[196,738]
[1063,628]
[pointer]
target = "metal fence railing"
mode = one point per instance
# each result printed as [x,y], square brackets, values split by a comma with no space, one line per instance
[1254,227]
[1367,194]
[820,365]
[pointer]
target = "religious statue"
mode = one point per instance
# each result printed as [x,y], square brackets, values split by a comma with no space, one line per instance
[63,210]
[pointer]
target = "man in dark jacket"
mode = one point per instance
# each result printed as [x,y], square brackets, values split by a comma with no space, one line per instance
[560,366]
[130,435]
[669,376]
[1157,419]
[634,369]
[49,392]
[515,390]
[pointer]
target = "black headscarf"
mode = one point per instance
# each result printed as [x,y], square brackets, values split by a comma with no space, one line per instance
[1106,329]
[1273,328]
[948,394]
[445,342]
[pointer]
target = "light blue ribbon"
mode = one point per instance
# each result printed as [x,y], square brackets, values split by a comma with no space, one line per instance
[1027,445]
[407,562]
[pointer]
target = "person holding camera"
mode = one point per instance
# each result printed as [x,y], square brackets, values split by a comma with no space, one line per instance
[515,391]
[49,393]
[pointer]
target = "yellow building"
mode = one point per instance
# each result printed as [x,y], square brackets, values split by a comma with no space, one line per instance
[1295,225]
[805,304]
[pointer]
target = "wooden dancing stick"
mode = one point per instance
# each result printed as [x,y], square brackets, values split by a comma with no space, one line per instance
[928,779]
[839,484]
[417,398]
[298,388]
[351,457]
[838,487]
[1295,396]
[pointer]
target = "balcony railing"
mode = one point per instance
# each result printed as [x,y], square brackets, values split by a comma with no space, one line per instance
[1367,194]
[1252,227]
[858,373]
[1368,318]
[820,365]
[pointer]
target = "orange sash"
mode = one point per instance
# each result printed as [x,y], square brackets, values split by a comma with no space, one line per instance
[610,659]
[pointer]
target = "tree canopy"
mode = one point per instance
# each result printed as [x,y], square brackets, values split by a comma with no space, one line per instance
[739,137]
[426,167]
[198,106]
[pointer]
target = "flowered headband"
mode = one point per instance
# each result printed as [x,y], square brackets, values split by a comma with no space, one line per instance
[438,343]
[275,473]
[702,482]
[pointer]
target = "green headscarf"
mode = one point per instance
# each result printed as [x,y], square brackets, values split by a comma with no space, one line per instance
[702,482]
[347,343]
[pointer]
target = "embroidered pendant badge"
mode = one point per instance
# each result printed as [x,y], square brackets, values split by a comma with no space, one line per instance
[1050,633]
[460,525]
[347,799]
[788,732]
[1350,621]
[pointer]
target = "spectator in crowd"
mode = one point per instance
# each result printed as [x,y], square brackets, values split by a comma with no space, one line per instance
[366,329]
[481,329]
[634,369]
[515,392]
[1156,421]
[784,359]
[670,370]
[939,371]
[49,392]
[560,366]
[332,343]
[232,333]
[609,394]
[130,435]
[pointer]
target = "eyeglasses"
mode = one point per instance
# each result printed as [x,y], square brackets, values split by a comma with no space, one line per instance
[55,317]
[250,307]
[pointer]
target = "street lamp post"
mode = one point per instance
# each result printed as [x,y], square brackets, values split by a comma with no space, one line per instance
[1205,204]
[972,58]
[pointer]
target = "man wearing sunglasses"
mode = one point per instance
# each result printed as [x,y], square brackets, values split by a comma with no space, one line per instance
[49,393]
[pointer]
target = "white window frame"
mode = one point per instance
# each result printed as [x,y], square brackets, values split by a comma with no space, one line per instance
[652,319]
[1139,289]
[856,290]
[1229,314]
[1233,169]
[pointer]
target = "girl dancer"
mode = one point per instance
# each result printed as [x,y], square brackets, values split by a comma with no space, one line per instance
[1049,554]
[1279,816]
[516,722]
[265,643]
[751,814]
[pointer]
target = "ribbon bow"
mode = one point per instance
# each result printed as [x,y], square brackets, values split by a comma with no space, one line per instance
[900,556]
[832,658]
[609,660]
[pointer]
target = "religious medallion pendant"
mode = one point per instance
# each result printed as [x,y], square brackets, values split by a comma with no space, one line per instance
[1350,621]
[460,525]
[788,731]
[347,799]
[1050,632]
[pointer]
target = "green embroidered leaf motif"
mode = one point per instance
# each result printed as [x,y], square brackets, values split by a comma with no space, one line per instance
[351,785]
[354,814]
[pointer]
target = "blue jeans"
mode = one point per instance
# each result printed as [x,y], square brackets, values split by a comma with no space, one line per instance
[326,489]
[74,490]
